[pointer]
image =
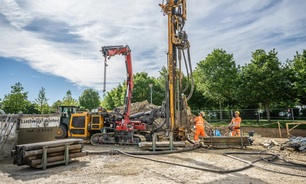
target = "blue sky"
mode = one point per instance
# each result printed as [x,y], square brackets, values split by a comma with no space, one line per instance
[13,71]
[55,44]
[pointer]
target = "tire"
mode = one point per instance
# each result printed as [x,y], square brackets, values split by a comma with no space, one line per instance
[61,132]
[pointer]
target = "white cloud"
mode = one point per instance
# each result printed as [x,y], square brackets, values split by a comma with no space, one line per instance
[17,16]
[63,38]
[241,27]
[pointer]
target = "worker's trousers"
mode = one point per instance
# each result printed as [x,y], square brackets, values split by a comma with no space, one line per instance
[236,132]
[199,131]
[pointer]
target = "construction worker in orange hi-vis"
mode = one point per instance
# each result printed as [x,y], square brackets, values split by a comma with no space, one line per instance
[199,124]
[234,125]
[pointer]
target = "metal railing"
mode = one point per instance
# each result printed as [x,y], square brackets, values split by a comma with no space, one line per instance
[254,114]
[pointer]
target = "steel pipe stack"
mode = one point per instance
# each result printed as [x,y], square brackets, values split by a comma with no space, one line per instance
[48,153]
[160,145]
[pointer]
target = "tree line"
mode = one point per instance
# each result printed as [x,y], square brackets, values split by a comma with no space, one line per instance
[263,83]
[17,101]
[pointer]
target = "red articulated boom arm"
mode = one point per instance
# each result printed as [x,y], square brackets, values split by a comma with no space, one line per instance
[109,51]
[121,130]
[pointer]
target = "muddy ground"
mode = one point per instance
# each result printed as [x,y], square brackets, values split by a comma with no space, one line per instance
[125,169]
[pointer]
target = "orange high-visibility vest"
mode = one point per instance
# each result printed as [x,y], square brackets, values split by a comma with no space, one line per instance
[236,122]
[199,121]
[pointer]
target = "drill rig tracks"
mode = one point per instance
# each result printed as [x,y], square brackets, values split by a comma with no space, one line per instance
[110,138]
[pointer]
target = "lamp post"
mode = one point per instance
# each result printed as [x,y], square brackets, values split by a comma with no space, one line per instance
[151,86]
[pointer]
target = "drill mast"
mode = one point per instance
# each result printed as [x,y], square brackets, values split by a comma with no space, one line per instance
[177,45]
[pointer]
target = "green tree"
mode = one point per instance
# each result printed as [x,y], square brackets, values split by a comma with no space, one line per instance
[89,99]
[141,92]
[159,86]
[68,100]
[199,101]
[15,101]
[119,95]
[161,80]
[55,106]
[299,70]
[114,98]
[41,102]
[31,109]
[142,89]
[107,102]
[216,77]
[289,95]
[261,80]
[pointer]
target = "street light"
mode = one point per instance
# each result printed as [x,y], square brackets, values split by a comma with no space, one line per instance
[151,85]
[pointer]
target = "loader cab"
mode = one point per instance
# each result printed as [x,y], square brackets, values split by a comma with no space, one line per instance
[84,125]
[78,125]
[66,112]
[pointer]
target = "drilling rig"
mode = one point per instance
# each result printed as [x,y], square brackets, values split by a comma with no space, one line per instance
[131,129]
[178,55]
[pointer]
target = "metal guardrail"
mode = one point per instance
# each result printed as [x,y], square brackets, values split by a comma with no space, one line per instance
[253,114]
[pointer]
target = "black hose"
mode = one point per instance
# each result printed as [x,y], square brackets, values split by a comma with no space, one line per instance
[228,154]
[187,70]
[267,160]
[295,163]
[136,155]
[187,166]
[188,139]
[288,163]
[158,128]
[116,151]
[191,75]
[274,156]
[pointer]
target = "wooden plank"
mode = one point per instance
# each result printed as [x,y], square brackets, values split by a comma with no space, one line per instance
[287,129]
[296,125]
[279,130]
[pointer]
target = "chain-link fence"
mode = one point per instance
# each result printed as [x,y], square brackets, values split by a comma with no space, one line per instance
[254,114]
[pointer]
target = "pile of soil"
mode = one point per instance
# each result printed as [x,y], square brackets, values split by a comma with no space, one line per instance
[137,107]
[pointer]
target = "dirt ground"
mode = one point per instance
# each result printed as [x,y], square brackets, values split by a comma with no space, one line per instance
[124,169]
